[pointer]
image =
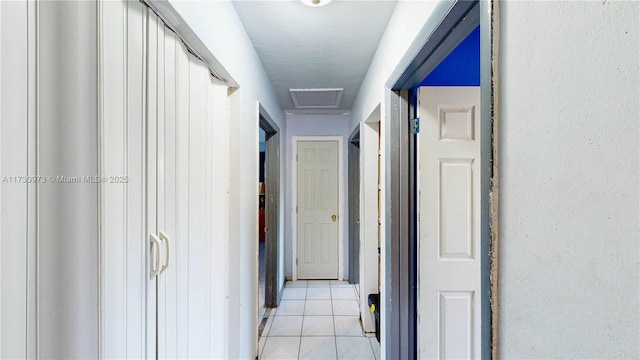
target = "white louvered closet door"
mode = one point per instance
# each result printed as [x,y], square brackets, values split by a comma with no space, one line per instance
[176,151]
[192,118]
[127,327]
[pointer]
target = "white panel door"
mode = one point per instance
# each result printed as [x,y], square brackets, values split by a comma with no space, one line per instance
[449,205]
[317,206]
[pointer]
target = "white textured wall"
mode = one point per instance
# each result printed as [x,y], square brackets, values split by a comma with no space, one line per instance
[569,210]
[402,40]
[396,48]
[369,215]
[218,26]
[313,125]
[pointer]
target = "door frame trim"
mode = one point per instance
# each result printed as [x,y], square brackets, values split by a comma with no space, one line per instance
[294,201]
[354,249]
[431,45]
[273,293]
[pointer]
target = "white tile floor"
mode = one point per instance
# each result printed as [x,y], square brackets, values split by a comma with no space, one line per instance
[317,320]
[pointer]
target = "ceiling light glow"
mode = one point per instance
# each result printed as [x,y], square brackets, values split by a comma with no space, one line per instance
[315,3]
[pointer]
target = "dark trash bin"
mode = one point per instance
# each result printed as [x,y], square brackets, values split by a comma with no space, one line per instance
[374,307]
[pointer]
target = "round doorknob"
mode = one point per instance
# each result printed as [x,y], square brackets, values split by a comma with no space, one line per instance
[334,217]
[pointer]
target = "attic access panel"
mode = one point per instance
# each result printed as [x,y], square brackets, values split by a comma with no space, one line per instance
[316,98]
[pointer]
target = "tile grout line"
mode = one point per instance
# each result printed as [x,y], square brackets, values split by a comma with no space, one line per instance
[266,336]
[333,319]
[372,350]
[304,310]
[333,315]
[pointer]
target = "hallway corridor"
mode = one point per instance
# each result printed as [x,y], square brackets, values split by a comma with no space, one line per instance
[317,319]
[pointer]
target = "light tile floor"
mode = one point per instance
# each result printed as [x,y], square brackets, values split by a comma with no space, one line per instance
[317,319]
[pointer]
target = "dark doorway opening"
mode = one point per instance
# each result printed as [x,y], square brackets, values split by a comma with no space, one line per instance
[354,207]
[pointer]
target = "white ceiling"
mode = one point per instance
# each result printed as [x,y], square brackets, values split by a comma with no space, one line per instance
[324,47]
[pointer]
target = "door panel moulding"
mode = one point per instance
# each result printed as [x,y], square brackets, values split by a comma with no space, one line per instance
[449,24]
[294,201]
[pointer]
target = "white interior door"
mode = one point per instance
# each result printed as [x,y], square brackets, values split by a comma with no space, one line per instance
[449,247]
[317,209]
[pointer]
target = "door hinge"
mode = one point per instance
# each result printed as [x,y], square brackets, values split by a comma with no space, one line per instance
[296,261]
[415,126]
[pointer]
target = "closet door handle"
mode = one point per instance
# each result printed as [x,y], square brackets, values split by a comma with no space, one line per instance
[165,239]
[155,256]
